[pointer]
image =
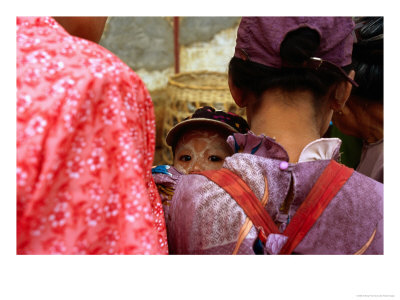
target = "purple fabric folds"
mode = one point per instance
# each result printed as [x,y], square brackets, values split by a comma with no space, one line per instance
[275,243]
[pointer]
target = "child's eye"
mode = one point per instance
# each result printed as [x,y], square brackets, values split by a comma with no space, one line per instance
[185,158]
[214,158]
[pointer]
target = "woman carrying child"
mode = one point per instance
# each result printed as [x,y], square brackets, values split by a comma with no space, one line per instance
[291,75]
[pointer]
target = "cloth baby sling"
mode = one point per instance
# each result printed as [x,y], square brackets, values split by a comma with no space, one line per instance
[324,190]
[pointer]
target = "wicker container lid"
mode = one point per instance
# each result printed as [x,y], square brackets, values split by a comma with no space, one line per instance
[191,90]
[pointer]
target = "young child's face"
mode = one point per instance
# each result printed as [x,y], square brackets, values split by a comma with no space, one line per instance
[200,150]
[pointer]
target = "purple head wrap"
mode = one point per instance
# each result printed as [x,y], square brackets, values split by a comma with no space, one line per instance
[259,39]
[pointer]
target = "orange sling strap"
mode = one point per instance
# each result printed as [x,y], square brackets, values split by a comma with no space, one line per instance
[328,184]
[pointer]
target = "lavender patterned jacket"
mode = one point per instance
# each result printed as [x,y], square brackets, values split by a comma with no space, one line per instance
[203,219]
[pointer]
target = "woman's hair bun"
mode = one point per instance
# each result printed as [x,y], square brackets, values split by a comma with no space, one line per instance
[298,46]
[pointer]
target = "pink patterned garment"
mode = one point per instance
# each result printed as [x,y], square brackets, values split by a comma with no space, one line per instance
[85,145]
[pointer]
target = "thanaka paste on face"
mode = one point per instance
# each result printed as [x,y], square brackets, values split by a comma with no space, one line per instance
[207,149]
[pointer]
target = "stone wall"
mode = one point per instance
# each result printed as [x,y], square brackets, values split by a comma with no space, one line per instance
[146,44]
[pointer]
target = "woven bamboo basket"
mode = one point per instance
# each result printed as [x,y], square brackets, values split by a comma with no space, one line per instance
[191,90]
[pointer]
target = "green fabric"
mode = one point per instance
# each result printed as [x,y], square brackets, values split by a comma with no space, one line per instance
[351,147]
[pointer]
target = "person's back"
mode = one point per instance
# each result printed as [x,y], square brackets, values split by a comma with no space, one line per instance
[208,221]
[85,140]
[289,93]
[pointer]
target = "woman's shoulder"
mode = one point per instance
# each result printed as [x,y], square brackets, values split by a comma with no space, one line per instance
[360,180]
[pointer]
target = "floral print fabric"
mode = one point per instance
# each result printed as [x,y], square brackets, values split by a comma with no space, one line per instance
[85,144]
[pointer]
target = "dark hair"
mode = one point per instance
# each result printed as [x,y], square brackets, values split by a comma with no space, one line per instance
[368,58]
[296,48]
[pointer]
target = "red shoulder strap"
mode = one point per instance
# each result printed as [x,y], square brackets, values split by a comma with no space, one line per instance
[325,189]
[244,196]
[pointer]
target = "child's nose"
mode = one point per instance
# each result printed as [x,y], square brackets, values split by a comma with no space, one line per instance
[196,167]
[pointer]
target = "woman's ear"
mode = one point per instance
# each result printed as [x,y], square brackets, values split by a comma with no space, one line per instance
[342,93]
[237,94]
